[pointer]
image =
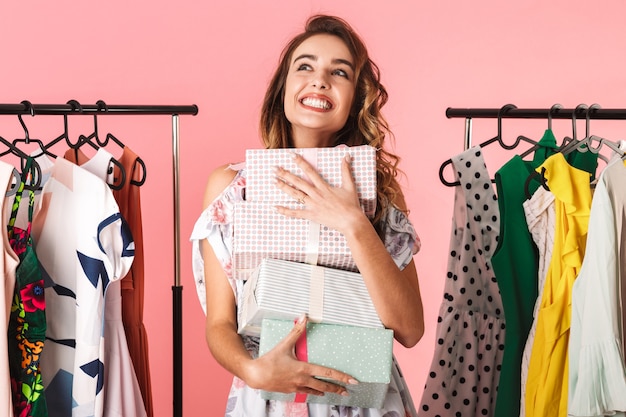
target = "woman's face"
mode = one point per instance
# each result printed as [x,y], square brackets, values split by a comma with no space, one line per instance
[319,90]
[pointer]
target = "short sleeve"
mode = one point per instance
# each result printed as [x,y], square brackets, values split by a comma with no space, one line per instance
[207,227]
[401,239]
[215,225]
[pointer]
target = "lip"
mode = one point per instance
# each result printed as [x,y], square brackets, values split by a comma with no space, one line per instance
[319,97]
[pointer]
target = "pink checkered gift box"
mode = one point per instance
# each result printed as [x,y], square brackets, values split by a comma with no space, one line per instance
[327,161]
[260,232]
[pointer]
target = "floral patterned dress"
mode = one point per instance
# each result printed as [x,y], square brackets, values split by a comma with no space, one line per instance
[27,324]
[215,225]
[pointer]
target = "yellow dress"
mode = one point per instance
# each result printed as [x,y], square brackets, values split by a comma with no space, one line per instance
[546,387]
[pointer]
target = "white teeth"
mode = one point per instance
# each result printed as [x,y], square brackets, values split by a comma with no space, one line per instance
[316,102]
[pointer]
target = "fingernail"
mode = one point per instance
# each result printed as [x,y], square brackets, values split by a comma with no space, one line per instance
[345,394]
[352,381]
[348,157]
[301,318]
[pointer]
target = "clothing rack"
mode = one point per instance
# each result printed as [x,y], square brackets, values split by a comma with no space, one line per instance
[510,111]
[72,107]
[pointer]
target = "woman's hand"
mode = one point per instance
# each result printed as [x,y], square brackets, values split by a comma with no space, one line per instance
[321,202]
[280,371]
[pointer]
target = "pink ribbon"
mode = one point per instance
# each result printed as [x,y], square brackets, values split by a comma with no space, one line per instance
[302,354]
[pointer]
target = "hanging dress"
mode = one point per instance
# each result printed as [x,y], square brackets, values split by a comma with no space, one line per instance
[540,218]
[133,284]
[546,387]
[83,244]
[597,373]
[8,264]
[122,395]
[27,326]
[464,373]
[515,264]
[215,225]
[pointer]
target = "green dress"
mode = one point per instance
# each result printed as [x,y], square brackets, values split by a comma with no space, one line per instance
[515,261]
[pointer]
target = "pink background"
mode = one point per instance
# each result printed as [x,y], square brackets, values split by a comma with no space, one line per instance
[220,54]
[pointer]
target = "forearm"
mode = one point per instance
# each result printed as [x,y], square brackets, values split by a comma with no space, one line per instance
[228,349]
[395,293]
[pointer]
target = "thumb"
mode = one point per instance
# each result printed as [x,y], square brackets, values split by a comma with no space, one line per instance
[294,334]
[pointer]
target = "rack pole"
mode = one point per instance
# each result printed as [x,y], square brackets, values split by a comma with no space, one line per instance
[177,289]
[468,133]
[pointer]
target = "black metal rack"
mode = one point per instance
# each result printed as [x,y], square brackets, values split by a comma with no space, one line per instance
[510,111]
[555,113]
[103,109]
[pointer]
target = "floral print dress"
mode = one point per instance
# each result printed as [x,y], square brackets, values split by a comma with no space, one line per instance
[27,323]
[215,225]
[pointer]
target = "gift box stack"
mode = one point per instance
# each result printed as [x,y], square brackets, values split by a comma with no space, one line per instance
[294,266]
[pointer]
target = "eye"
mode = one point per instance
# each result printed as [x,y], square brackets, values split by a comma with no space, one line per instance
[303,67]
[341,73]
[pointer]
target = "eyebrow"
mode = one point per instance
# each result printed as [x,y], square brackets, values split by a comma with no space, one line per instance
[334,61]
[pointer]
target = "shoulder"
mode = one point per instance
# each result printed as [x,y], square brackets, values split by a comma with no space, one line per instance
[218,180]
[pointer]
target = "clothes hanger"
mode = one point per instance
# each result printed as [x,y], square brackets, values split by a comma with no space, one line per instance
[27,139]
[541,177]
[495,139]
[585,144]
[88,140]
[572,141]
[111,137]
[554,109]
[142,165]
[15,150]
[76,106]
[15,183]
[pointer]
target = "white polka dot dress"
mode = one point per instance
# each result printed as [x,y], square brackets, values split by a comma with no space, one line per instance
[465,370]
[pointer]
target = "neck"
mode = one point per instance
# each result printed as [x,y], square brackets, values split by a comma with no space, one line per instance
[312,139]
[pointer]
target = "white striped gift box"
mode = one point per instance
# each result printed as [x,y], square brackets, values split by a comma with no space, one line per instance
[260,232]
[284,290]
[260,162]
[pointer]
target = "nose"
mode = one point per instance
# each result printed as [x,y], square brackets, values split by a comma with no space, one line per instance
[319,81]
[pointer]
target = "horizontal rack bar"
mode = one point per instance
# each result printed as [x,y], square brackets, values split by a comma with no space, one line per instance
[517,113]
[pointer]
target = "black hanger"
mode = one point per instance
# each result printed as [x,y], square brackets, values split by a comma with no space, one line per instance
[142,165]
[554,109]
[27,139]
[541,177]
[76,106]
[497,138]
[88,140]
[573,141]
[585,144]
[102,106]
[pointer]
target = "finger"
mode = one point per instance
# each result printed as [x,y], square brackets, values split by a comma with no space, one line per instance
[327,386]
[307,169]
[328,375]
[291,184]
[310,391]
[347,179]
[295,332]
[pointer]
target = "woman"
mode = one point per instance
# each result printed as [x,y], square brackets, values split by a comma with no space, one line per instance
[325,92]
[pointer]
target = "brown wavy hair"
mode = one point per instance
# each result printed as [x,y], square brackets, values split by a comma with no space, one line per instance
[365,125]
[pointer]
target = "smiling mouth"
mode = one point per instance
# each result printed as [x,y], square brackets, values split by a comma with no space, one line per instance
[316,103]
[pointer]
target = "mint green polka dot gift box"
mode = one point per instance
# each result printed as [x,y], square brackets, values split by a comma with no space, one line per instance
[365,353]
